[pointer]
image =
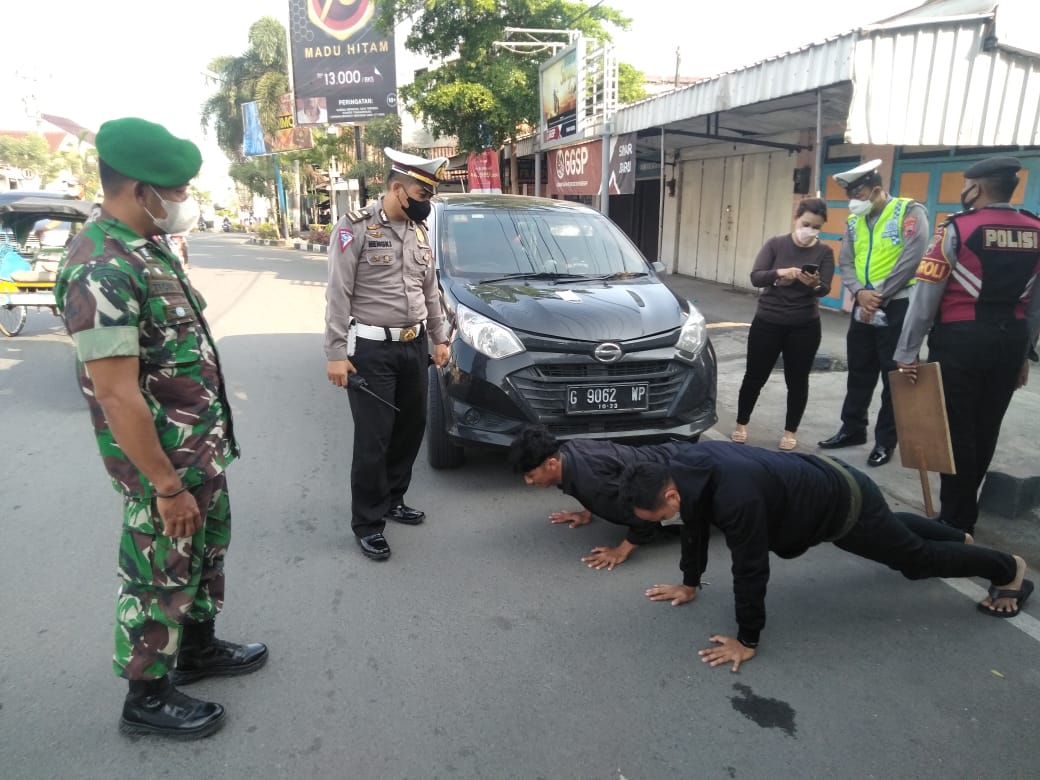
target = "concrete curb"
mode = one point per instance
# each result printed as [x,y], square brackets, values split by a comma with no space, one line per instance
[309,247]
[267,241]
[1008,496]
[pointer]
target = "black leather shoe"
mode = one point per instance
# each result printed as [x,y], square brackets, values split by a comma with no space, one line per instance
[203,655]
[879,456]
[405,514]
[157,707]
[843,438]
[374,546]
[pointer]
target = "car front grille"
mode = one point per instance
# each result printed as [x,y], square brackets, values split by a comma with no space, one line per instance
[544,387]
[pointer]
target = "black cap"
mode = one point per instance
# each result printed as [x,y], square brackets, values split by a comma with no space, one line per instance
[993,166]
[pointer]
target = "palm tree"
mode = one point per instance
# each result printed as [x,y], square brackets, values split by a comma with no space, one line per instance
[260,73]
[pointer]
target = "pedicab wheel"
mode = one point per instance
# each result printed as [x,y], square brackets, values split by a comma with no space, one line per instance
[12,319]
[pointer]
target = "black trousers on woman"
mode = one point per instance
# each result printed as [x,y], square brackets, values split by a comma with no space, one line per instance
[766,342]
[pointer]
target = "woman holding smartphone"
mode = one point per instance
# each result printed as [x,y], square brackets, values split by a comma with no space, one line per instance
[794,271]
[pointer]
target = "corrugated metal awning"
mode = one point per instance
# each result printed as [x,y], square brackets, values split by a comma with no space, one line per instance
[945,83]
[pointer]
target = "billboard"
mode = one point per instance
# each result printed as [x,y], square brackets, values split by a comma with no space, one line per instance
[484,175]
[560,95]
[578,170]
[340,61]
[287,138]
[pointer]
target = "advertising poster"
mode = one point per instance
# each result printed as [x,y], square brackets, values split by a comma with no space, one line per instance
[484,174]
[576,170]
[559,78]
[343,67]
[622,165]
[287,138]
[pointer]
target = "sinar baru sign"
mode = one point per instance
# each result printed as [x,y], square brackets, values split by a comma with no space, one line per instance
[343,68]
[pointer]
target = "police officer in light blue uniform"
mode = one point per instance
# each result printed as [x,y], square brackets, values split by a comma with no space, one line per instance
[382,311]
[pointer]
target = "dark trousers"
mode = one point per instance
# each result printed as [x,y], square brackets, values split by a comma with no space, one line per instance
[870,350]
[766,342]
[980,367]
[386,442]
[917,547]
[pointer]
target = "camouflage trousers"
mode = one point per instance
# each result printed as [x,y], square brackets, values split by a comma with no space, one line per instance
[168,582]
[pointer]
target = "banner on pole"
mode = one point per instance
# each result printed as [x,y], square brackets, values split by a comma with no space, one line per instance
[484,174]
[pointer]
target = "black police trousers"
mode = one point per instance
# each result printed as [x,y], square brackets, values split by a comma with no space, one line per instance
[386,442]
[980,364]
[870,350]
[918,547]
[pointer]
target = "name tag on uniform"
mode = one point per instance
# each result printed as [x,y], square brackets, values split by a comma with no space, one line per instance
[384,243]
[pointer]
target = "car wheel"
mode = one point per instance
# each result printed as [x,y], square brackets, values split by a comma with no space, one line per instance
[441,452]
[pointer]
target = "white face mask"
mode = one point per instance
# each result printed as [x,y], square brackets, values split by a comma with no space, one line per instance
[860,207]
[805,235]
[181,216]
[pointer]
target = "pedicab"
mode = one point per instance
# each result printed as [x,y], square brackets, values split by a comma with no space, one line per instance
[28,269]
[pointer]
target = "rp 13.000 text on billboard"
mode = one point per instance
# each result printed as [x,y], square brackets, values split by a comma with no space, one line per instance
[343,68]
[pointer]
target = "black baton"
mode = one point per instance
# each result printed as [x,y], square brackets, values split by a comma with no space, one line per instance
[358,382]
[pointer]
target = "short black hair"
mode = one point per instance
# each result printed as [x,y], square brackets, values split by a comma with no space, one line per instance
[642,486]
[530,448]
[404,179]
[112,181]
[817,206]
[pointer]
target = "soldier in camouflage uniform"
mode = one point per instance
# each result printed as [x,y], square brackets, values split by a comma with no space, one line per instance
[149,370]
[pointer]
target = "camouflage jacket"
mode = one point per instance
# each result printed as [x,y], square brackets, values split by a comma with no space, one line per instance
[123,295]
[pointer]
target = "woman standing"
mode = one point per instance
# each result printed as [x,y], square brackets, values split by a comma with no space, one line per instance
[795,270]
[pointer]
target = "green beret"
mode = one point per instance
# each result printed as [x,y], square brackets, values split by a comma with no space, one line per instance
[147,152]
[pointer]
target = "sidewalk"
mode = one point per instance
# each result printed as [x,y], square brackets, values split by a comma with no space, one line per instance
[729,312]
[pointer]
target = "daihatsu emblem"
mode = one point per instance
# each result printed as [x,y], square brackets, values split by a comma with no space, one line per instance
[608,352]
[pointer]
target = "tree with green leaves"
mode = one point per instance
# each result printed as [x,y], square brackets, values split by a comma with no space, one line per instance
[260,74]
[483,94]
[31,151]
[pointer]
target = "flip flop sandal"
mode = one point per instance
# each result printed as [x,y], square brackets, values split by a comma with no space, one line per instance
[738,436]
[1022,595]
[788,443]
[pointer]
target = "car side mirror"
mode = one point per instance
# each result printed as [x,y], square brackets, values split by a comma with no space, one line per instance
[658,266]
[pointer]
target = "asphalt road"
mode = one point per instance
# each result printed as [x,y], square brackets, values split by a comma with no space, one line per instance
[483,648]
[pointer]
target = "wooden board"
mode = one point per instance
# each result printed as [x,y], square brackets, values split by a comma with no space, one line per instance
[920,409]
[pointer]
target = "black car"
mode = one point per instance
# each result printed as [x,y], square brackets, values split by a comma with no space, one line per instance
[558,319]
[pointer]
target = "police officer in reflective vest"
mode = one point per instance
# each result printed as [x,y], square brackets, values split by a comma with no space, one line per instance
[883,243]
[976,293]
[382,301]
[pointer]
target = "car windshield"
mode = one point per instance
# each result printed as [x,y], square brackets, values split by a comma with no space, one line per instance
[494,244]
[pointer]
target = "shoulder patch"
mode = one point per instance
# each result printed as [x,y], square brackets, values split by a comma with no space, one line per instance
[909,227]
[933,269]
[359,215]
[345,237]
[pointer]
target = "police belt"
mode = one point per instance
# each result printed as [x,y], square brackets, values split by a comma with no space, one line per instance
[379,333]
[855,498]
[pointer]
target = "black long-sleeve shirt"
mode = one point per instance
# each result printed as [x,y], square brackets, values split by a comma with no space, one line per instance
[762,501]
[591,472]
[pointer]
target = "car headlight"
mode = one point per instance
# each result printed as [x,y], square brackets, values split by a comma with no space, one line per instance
[486,336]
[694,334]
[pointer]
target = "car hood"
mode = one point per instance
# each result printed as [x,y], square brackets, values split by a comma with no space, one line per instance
[585,311]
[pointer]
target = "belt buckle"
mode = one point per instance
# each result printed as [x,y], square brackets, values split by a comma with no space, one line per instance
[409,333]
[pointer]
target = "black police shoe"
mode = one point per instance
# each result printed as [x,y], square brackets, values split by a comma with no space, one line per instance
[374,546]
[843,438]
[157,707]
[405,514]
[203,655]
[879,456]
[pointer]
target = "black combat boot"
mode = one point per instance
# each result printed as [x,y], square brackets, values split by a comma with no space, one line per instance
[157,707]
[203,655]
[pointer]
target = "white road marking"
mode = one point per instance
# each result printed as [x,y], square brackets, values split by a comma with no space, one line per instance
[1025,623]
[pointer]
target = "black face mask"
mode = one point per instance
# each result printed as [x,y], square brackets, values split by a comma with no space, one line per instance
[417,210]
[967,203]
